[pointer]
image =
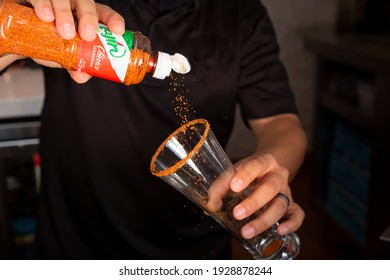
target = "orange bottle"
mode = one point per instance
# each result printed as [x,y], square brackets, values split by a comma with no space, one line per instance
[123,58]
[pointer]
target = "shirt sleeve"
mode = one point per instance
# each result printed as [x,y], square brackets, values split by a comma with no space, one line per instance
[263,82]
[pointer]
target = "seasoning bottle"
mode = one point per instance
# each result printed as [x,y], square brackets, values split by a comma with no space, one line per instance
[123,58]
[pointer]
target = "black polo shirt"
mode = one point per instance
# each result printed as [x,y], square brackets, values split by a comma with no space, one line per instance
[99,199]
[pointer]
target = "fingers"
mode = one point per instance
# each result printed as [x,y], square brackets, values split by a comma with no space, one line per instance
[294,219]
[270,214]
[87,19]
[44,10]
[252,168]
[261,195]
[269,179]
[272,179]
[218,190]
[112,19]
[88,15]
[60,11]
[79,77]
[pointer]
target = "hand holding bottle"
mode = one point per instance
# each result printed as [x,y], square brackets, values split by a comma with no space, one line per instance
[88,14]
[125,58]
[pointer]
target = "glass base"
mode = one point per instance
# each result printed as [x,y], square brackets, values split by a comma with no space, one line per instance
[272,246]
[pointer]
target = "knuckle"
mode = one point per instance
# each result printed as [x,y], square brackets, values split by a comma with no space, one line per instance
[272,189]
[103,6]
[88,17]
[280,178]
[281,206]
[269,157]
[258,162]
[260,225]
[63,12]
[303,215]
[252,205]
[89,14]
[284,172]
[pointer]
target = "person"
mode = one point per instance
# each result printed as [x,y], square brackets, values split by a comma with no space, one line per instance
[98,199]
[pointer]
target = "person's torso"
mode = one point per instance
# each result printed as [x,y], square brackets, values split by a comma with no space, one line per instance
[99,137]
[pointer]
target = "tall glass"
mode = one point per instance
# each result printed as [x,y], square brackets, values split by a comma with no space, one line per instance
[193,162]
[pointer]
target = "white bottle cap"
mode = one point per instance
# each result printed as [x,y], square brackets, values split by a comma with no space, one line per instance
[163,67]
[180,64]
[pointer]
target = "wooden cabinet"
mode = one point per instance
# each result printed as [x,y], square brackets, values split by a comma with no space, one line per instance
[351,141]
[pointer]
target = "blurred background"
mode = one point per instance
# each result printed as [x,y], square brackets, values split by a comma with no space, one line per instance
[337,54]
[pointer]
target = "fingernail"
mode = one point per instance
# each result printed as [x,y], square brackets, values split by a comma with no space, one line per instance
[48,12]
[282,230]
[68,31]
[121,26]
[236,184]
[239,212]
[90,32]
[248,232]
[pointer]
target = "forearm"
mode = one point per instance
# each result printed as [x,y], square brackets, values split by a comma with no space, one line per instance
[284,138]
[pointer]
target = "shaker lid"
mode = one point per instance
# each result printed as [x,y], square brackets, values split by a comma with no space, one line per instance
[180,63]
[166,62]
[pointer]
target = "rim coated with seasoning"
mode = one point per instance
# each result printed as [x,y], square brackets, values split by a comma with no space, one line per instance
[172,169]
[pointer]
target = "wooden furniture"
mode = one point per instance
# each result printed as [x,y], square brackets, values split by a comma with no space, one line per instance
[351,142]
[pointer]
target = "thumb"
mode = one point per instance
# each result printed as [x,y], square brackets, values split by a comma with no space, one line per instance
[79,77]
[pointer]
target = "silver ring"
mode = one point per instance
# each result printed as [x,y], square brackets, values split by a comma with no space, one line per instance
[285,198]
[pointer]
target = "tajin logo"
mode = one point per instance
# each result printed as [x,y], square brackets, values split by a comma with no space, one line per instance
[116,49]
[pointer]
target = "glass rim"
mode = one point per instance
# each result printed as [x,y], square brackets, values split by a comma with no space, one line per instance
[172,169]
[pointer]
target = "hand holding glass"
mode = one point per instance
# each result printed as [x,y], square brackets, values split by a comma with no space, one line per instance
[194,163]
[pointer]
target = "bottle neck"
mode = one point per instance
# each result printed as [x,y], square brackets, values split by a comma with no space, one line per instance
[152,63]
[162,65]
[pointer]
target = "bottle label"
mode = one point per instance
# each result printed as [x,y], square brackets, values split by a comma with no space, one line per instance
[106,57]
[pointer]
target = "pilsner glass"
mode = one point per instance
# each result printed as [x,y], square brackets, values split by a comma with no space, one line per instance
[193,162]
